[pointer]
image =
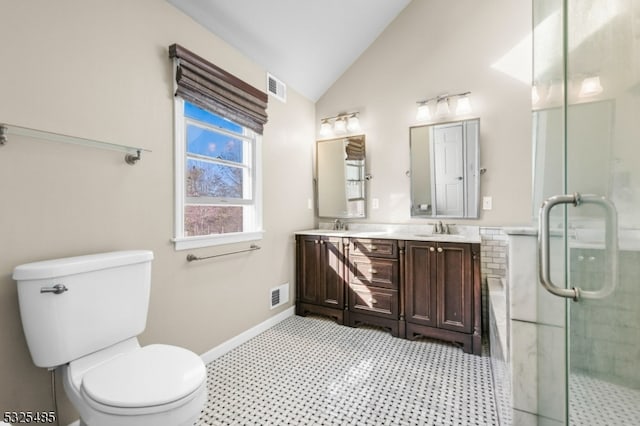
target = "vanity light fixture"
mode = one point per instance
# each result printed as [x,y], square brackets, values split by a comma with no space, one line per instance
[325,128]
[442,107]
[340,124]
[535,97]
[423,111]
[590,87]
[462,105]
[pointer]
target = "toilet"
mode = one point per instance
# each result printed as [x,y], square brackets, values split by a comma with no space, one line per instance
[81,315]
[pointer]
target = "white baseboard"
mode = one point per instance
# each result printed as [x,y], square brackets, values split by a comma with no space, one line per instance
[234,342]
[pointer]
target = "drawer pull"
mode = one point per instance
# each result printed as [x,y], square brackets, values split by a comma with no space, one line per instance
[373,301]
[373,271]
[439,249]
[373,248]
[432,249]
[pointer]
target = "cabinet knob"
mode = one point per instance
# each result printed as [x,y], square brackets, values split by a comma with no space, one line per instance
[373,248]
[439,249]
[373,271]
[374,301]
[432,249]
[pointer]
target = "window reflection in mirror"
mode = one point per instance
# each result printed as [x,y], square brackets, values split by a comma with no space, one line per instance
[445,170]
[340,174]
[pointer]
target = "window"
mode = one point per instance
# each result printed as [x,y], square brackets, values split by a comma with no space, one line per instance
[217,182]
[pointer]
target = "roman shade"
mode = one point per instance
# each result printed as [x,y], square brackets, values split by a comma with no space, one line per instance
[212,88]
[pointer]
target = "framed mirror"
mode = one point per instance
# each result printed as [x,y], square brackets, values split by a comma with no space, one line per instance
[445,169]
[341,177]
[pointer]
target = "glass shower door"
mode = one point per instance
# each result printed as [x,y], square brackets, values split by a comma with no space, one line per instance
[587,154]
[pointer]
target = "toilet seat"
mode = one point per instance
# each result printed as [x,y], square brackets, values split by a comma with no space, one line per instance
[128,375]
[148,379]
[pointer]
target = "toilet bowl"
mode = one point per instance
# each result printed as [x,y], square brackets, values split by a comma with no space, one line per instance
[81,315]
[129,385]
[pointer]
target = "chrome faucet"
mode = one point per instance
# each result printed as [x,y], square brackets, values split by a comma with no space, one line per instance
[338,225]
[440,228]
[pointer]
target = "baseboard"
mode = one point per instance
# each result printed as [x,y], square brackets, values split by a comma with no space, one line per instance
[234,342]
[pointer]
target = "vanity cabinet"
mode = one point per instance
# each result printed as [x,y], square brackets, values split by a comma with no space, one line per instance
[373,294]
[413,288]
[443,292]
[320,276]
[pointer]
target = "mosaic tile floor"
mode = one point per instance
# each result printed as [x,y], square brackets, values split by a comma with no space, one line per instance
[311,371]
[595,402]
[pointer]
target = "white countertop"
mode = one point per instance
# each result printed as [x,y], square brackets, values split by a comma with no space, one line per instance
[402,232]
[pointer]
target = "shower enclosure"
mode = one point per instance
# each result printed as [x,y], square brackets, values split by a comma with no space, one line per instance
[586,140]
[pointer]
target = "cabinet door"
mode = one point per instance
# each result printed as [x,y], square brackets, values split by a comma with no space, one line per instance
[420,301]
[331,280]
[454,279]
[308,269]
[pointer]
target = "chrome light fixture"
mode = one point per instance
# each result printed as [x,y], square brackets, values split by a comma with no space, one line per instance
[423,111]
[590,87]
[325,128]
[340,124]
[462,106]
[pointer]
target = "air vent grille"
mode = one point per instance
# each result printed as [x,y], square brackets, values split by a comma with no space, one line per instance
[279,295]
[276,88]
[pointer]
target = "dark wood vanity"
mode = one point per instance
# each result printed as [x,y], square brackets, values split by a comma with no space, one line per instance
[413,288]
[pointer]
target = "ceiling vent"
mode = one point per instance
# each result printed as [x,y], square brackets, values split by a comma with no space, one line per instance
[276,88]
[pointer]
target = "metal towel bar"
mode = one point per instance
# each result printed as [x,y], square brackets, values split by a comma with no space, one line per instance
[193,257]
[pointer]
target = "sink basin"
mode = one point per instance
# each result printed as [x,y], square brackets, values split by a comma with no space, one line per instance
[328,231]
[448,237]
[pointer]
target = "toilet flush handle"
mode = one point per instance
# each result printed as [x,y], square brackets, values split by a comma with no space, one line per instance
[56,289]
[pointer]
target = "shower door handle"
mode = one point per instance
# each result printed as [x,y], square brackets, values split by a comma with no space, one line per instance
[611,246]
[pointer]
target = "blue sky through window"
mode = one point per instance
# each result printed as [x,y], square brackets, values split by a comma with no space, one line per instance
[197,113]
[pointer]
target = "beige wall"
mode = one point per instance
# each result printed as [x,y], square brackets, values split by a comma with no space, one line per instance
[435,47]
[100,69]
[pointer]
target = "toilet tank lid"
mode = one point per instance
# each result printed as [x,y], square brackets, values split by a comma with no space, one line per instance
[78,264]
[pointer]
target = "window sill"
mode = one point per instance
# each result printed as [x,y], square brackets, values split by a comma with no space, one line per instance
[186,243]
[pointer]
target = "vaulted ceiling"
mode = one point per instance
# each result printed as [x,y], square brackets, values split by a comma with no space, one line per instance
[307,44]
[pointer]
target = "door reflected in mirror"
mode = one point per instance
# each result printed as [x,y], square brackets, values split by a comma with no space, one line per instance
[445,170]
[341,177]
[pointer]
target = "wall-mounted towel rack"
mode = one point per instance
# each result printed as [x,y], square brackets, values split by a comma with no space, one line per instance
[193,257]
[133,154]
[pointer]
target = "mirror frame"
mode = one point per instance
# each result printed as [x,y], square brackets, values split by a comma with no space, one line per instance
[472,171]
[359,207]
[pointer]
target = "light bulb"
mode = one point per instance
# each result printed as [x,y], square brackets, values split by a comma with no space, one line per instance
[463,106]
[325,128]
[590,87]
[353,123]
[442,107]
[423,112]
[535,97]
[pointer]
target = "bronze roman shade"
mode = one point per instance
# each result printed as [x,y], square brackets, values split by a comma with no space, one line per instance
[210,87]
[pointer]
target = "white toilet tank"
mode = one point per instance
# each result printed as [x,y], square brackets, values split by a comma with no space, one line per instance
[77,305]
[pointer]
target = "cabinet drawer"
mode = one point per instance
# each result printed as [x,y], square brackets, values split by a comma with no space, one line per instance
[373,272]
[374,248]
[373,300]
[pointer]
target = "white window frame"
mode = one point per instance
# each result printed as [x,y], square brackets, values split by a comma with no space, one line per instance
[252,222]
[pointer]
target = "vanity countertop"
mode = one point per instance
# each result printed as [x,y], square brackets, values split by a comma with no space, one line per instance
[397,234]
